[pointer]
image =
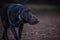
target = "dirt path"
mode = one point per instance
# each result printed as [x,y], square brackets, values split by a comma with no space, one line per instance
[47,29]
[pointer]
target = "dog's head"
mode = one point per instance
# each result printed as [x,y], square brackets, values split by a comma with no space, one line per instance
[28,17]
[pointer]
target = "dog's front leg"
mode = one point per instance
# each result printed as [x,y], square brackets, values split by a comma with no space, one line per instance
[14,32]
[20,31]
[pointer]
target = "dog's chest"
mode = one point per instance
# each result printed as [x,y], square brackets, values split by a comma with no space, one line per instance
[13,14]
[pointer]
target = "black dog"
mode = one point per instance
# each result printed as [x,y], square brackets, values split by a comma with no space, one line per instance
[16,15]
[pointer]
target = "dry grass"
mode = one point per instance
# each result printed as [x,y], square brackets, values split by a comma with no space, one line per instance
[47,29]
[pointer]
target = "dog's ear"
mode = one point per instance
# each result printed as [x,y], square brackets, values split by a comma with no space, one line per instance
[33,12]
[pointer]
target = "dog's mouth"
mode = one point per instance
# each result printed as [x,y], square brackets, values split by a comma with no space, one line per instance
[33,23]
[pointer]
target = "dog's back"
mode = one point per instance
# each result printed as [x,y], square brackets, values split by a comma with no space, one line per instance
[10,10]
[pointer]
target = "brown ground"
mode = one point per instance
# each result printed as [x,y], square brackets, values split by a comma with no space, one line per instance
[47,29]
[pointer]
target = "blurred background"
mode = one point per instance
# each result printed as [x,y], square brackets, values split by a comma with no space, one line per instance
[48,14]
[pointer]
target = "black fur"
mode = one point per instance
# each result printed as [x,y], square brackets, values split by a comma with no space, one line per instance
[16,15]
